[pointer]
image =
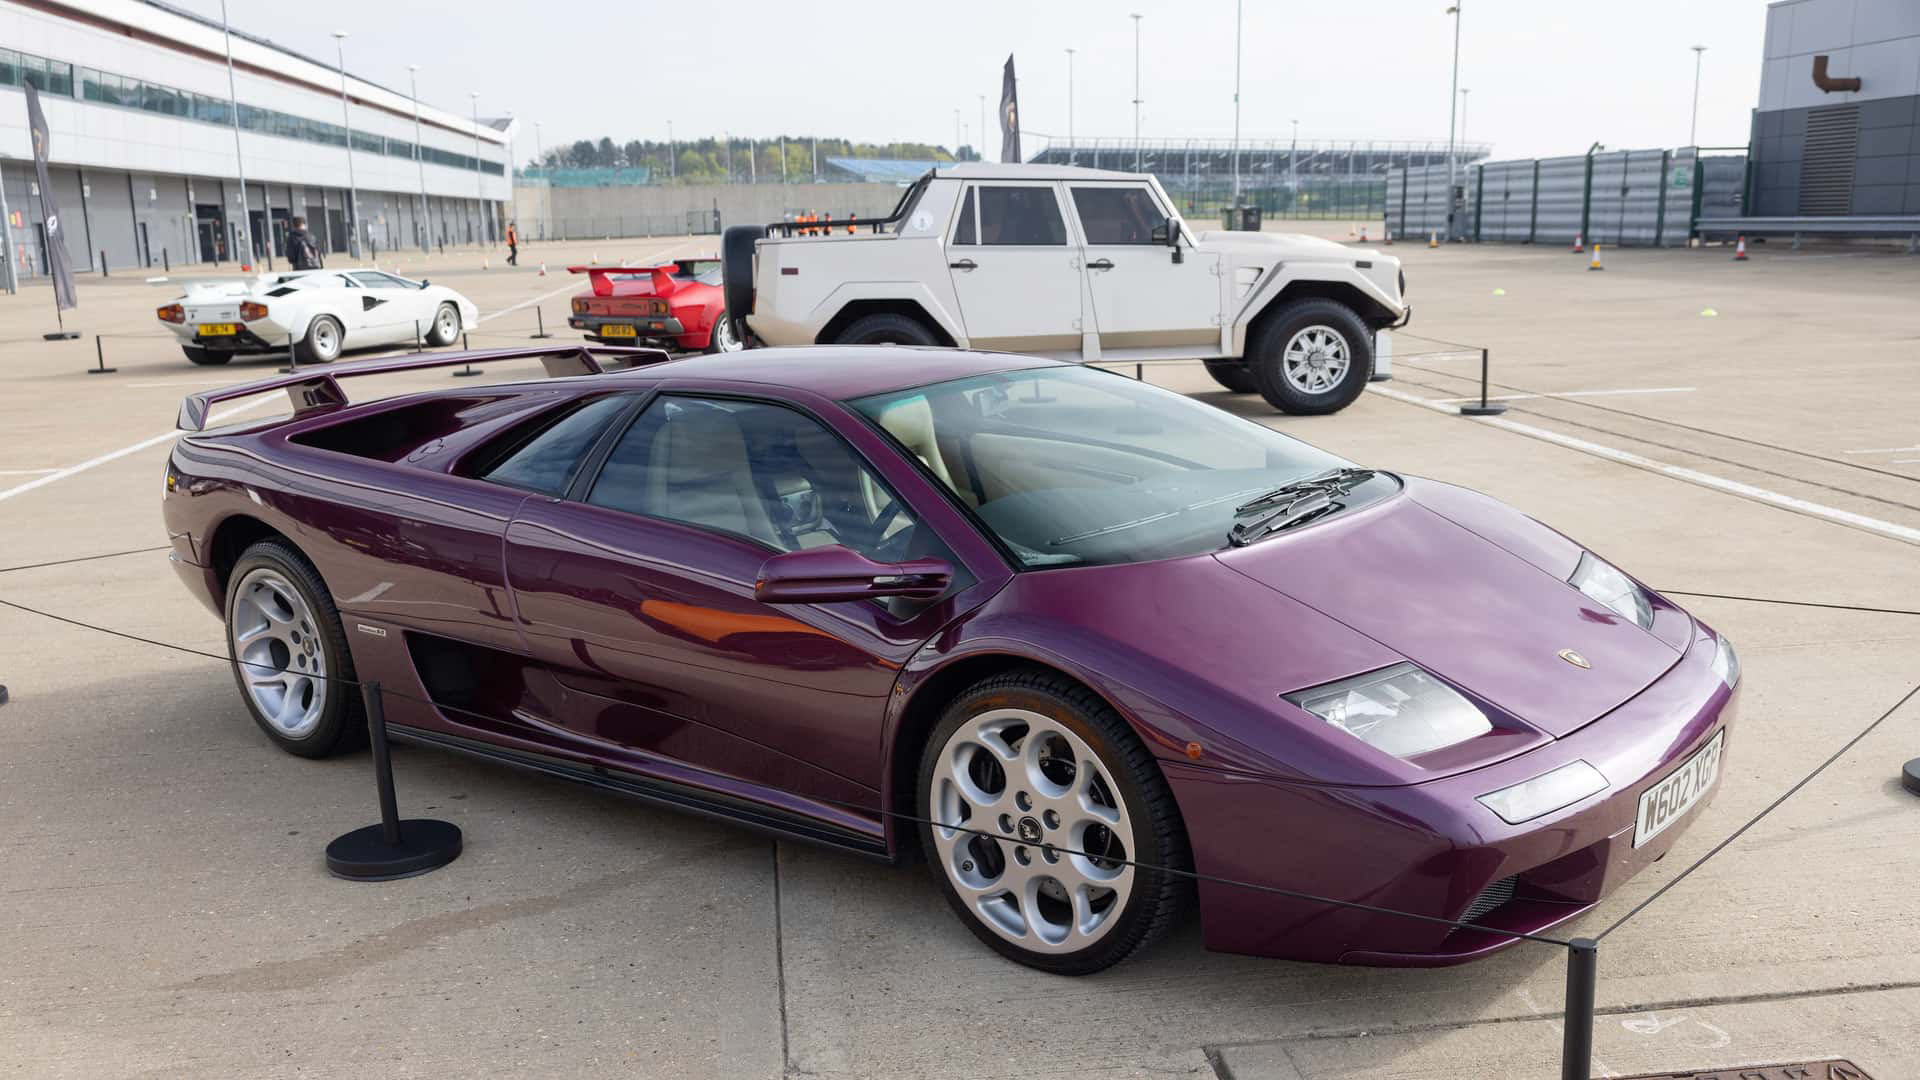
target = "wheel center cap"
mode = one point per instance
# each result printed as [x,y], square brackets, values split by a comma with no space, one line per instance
[1029,830]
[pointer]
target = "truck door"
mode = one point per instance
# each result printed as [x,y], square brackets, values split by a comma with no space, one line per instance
[1140,299]
[1015,269]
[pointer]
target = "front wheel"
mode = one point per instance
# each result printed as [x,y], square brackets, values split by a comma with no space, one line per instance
[886,329]
[446,326]
[1313,357]
[289,653]
[1048,820]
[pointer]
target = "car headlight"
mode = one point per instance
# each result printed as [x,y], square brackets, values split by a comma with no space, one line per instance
[1726,662]
[1400,709]
[1545,793]
[1602,583]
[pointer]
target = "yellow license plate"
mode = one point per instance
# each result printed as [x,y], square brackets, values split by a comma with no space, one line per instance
[218,329]
[617,330]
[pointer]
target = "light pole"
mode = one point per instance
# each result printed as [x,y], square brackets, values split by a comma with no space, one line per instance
[957,135]
[1293,165]
[1465,145]
[728,135]
[1071,149]
[239,166]
[1693,128]
[1136,91]
[1238,5]
[673,155]
[1452,108]
[983,123]
[546,189]
[479,176]
[353,191]
[420,158]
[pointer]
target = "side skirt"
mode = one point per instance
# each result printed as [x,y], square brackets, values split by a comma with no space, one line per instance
[674,796]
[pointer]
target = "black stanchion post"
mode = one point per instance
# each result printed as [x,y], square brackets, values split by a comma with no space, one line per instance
[293,358]
[469,371]
[166,261]
[1910,776]
[393,848]
[416,335]
[1484,408]
[541,320]
[1583,972]
[103,262]
[100,359]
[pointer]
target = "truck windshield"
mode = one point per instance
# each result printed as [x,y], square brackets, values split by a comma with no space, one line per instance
[1078,466]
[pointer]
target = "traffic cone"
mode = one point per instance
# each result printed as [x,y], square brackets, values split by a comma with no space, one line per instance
[1363,234]
[1352,233]
[593,259]
[1740,253]
[1579,243]
[1595,264]
[543,269]
[1433,239]
[484,266]
[1387,237]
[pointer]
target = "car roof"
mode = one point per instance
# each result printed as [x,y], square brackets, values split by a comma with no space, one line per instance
[846,371]
[984,170]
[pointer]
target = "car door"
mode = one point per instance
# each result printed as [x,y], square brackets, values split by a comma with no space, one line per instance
[390,309]
[1140,299]
[638,590]
[1016,269]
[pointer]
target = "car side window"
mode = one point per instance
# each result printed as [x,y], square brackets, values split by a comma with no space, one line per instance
[1114,214]
[374,280]
[763,472]
[546,459]
[1020,216]
[966,233]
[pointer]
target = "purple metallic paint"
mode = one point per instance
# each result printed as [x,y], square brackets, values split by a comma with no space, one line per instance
[637,647]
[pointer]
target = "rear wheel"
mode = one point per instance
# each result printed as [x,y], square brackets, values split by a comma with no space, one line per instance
[724,337]
[205,357]
[446,326]
[289,653]
[1049,816]
[1234,375]
[886,329]
[1312,357]
[322,343]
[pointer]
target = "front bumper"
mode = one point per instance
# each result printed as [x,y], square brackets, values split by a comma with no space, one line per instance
[1431,849]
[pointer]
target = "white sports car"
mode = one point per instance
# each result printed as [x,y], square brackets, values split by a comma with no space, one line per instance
[318,312]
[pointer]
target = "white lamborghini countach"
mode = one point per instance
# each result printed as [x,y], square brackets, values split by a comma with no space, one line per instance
[318,313]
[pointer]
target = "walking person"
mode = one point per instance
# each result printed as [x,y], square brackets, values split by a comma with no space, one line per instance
[513,244]
[302,252]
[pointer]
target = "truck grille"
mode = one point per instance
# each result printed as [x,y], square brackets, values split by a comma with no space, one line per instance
[1490,898]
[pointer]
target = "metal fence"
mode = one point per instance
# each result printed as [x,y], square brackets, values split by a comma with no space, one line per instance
[1615,197]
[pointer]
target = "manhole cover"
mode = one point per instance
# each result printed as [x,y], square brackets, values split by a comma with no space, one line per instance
[1832,1069]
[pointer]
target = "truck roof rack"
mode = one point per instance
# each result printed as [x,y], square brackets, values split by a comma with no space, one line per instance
[788,228]
[316,389]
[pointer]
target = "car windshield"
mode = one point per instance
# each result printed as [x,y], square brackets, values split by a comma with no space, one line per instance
[1078,466]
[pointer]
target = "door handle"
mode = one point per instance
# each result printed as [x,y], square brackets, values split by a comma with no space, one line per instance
[963,264]
[1100,264]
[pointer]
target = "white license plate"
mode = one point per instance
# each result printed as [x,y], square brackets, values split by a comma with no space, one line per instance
[1669,800]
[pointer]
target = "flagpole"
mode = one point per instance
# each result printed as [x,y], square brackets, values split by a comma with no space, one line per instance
[6,236]
[239,165]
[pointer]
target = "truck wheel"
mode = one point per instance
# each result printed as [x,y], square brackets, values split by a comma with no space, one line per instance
[736,273]
[205,357]
[1312,357]
[1234,375]
[886,329]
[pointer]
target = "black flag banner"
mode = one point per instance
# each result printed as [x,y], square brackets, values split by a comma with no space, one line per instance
[63,297]
[1009,116]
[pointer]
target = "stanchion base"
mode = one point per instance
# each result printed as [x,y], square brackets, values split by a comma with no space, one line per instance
[1491,408]
[364,854]
[1909,777]
[62,335]
[539,335]
[468,372]
[102,370]
[1380,378]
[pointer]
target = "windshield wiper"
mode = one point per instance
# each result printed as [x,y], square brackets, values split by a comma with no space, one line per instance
[1303,507]
[1332,482]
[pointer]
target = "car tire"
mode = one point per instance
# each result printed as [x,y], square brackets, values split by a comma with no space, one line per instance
[323,342]
[205,357]
[446,325]
[725,335]
[736,272]
[1234,375]
[289,653]
[982,766]
[886,329]
[1312,357]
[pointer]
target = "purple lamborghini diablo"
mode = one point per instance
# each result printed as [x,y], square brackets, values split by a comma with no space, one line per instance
[1053,628]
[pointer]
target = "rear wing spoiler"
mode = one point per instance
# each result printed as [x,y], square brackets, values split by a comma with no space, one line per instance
[318,389]
[601,277]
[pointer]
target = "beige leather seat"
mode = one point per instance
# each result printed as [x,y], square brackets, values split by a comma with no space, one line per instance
[700,474]
[911,422]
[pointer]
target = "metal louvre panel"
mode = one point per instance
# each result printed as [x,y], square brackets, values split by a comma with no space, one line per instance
[1562,184]
[1683,176]
[1507,211]
[1826,165]
[1722,178]
[1605,203]
[1396,183]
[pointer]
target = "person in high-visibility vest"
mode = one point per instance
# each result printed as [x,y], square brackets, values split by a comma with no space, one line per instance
[850,220]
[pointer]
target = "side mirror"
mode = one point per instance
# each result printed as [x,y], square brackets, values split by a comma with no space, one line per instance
[1168,233]
[826,575]
[424,283]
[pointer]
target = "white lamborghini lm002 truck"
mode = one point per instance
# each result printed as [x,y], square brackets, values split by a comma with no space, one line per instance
[1075,264]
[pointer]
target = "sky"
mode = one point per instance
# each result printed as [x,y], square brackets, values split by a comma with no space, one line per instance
[1544,77]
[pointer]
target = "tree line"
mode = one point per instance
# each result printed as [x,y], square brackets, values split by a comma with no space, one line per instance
[707,159]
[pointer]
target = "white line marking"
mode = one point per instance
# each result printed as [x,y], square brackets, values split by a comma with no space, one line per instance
[1692,476]
[26,472]
[1906,461]
[1574,393]
[1883,450]
[116,455]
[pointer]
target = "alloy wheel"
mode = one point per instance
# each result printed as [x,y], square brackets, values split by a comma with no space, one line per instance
[1315,359]
[282,661]
[326,338]
[1031,831]
[448,324]
[725,340]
